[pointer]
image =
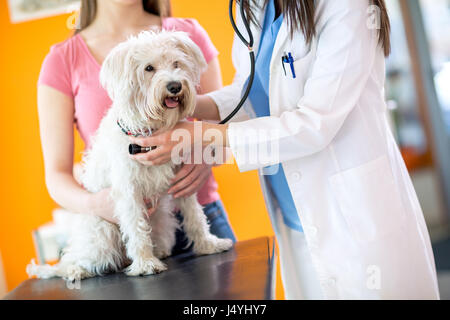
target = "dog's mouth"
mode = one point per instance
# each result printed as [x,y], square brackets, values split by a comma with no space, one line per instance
[173,102]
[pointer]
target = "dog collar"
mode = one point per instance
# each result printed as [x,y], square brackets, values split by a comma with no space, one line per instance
[146,133]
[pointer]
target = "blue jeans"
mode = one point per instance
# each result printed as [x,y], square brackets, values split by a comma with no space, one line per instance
[218,225]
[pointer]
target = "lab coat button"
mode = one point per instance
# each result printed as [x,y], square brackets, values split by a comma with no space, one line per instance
[328,282]
[296,176]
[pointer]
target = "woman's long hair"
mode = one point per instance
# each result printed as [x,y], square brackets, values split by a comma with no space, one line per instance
[301,16]
[89,10]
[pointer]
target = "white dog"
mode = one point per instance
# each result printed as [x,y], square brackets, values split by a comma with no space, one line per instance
[152,81]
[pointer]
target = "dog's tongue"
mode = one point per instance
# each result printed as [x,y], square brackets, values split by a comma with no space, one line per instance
[171,103]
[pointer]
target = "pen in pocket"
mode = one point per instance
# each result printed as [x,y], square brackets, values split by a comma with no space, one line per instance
[287,58]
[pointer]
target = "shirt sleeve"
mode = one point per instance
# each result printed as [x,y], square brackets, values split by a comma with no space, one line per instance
[339,75]
[202,39]
[55,72]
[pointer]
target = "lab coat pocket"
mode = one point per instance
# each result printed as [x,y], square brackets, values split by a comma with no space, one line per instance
[369,200]
[295,87]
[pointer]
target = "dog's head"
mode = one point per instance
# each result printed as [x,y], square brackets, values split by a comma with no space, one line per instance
[152,78]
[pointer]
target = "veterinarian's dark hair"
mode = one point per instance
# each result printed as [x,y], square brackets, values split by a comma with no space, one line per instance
[88,10]
[301,16]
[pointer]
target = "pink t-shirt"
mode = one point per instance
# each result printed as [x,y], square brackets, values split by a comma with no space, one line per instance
[71,69]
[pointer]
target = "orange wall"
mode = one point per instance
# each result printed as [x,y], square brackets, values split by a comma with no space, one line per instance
[24,201]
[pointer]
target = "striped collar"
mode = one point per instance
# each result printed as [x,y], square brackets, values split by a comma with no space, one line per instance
[146,133]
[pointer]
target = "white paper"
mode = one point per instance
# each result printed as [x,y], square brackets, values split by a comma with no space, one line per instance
[24,10]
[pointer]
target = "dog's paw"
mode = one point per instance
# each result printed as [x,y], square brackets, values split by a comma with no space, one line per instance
[144,267]
[76,273]
[161,254]
[212,245]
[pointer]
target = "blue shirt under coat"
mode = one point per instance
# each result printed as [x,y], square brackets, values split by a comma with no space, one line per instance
[259,97]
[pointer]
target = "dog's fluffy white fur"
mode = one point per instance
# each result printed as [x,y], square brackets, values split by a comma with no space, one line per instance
[139,93]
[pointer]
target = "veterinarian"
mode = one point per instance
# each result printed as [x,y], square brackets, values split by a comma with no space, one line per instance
[344,210]
[69,92]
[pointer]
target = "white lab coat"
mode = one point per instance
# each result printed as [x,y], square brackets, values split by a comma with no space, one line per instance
[362,221]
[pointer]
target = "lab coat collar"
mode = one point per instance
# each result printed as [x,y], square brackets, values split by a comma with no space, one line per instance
[280,42]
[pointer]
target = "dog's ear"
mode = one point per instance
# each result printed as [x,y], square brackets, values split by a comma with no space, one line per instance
[192,52]
[116,75]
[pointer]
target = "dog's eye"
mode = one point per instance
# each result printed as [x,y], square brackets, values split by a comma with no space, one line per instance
[149,68]
[175,65]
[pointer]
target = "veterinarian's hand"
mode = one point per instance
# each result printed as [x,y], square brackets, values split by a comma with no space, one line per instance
[181,139]
[165,144]
[189,179]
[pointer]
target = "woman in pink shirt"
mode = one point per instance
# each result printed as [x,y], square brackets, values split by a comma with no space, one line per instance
[69,93]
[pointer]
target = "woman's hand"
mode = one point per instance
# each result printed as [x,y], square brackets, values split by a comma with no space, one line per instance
[189,179]
[77,172]
[186,137]
[101,204]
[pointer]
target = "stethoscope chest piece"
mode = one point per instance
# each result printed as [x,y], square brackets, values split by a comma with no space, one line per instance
[135,149]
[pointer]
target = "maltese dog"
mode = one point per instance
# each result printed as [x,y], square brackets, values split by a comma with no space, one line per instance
[152,80]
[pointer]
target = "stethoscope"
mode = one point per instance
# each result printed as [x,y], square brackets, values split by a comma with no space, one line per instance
[249,45]
[135,149]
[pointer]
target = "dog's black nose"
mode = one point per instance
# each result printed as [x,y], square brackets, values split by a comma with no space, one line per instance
[174,87]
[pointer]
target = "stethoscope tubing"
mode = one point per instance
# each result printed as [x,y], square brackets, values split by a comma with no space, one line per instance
[249,45]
